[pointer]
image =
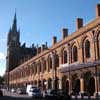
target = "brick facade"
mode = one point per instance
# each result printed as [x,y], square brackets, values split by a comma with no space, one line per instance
[75,56]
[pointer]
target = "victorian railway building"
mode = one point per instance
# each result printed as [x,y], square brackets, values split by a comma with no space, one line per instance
[74,62]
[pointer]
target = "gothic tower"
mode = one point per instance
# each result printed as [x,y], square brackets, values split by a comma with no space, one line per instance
[13,43]
[13,35]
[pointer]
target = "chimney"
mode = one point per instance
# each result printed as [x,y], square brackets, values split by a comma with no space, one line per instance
[97,10]
[43,47]
[54,40]
[64,32]
[38,50]
[79,23]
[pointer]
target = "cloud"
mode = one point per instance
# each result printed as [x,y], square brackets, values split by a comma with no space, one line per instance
[2,56]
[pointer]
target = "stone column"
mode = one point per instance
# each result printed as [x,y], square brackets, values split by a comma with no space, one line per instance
[93,51]
[69,62]
[80,53]
[60,58]
[53,65]
[53,70]
[96,84]
[96,49]
[60,83]
[47,65]
[82,85]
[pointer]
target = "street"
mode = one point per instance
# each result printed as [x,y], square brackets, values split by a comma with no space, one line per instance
[14,96]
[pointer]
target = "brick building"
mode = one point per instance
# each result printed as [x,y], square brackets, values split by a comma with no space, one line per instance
[74,61]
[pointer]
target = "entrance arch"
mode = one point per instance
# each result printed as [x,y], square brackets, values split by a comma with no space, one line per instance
[44,84]
[89,83]
[49,83]
[76,86]
[65,84]
[91,86]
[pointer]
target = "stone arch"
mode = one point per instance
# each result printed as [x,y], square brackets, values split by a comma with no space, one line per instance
[39,67]
[87,49]
[75,84]
[44,65]
[35,68]
[74,43]
[44,84]
[49,62]
[65,84]
[97,32]
[84,38]
[98,43]
[74,53]
[61,54]
[35,82]
[39,83]
[65,56]
[49,83]
[56,60]
[92,86]
[84,51]
[89,83]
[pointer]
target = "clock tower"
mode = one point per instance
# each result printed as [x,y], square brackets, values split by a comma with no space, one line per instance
[17,53]
[13,35]
[13,45]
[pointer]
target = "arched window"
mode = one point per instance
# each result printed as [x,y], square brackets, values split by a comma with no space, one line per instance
[75,54]
[87,49]
[49,63]
[56,61]
[50,60]
[65,57]
[40,66]
[98,45]
[44,65]
[35,69]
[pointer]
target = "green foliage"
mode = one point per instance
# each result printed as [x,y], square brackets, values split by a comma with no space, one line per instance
[1,80]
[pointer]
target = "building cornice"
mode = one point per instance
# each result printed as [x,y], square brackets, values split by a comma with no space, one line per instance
[67,39]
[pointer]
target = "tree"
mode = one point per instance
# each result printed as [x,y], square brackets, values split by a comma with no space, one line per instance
[1,80]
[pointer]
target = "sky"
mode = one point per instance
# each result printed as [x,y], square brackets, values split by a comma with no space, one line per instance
[40,20]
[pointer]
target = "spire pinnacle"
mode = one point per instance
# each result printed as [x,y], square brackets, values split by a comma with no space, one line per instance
[14,26]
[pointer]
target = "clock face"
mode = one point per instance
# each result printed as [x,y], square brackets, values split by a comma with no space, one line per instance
[14,38]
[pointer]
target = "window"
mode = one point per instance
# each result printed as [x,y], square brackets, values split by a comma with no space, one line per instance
[87,49]
[40,66]
[56,61]
[44,65]
[75,54]
[98,46]
[35,69]
[49,63]
[65,57]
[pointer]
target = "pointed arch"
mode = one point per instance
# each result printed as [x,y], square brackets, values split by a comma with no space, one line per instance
[87,49]
[74,53]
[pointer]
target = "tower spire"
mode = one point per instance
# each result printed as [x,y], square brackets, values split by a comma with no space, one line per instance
[14,26]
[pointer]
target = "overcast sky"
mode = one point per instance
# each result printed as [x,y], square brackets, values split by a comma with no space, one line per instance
[40,20]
